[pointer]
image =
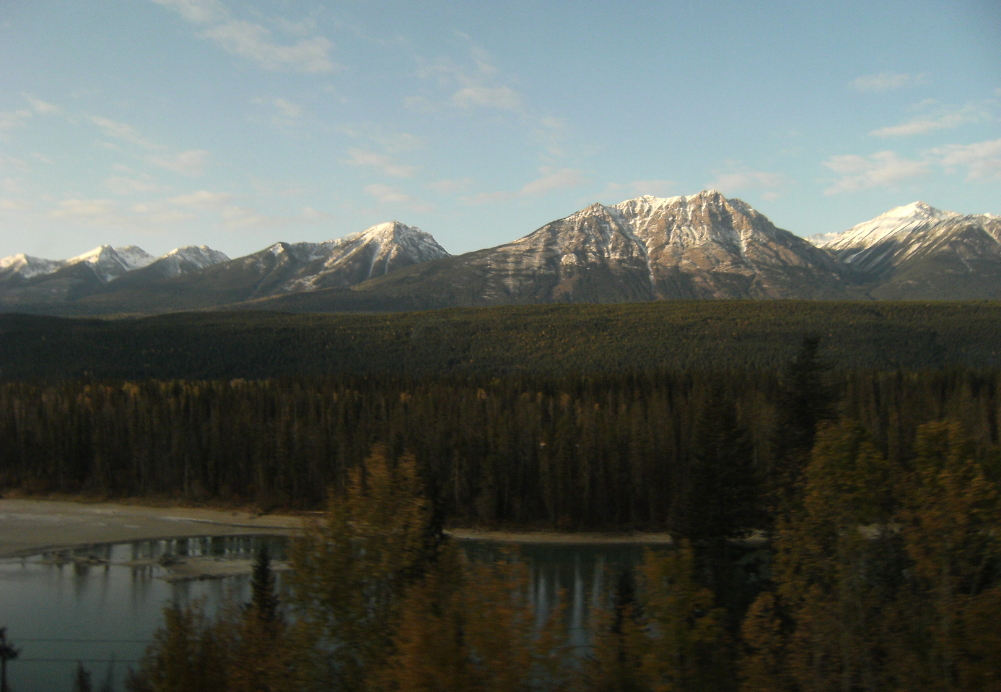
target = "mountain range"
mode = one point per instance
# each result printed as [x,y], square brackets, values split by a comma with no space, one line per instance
[700,246]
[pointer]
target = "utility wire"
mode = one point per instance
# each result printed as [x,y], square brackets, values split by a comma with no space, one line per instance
[87,641]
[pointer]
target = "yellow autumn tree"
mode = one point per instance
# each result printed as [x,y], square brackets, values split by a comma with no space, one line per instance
[951,525]
[351,569]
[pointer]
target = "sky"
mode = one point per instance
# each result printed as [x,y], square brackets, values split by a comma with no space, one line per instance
[237,124]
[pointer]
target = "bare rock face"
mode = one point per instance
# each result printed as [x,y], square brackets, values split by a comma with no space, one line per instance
[699,246]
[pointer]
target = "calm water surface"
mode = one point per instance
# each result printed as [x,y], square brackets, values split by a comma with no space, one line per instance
[103,603]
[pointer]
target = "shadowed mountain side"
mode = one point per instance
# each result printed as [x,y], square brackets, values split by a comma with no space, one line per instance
[701,335]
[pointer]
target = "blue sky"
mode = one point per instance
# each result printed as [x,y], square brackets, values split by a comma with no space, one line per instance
[165,123]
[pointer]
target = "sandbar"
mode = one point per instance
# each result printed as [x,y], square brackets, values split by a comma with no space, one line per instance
[29,527]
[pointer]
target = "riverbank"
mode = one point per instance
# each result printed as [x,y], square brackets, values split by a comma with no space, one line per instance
[33,526]
[30,526]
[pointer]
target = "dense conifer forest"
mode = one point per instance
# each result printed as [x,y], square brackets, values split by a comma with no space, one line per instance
[860,466]
[539,339]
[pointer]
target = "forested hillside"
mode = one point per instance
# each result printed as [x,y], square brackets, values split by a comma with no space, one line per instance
[571,452]
[544,339]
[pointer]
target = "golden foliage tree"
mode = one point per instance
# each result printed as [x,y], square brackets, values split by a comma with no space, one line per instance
[351,569]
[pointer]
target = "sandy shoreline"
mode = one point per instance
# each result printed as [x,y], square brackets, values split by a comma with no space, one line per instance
[556,537]
[33,526]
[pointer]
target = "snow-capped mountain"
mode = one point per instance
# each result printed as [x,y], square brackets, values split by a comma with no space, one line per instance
[29,282]
[697,246]
[24,266]
[111,262]
[187,259]
[919,252]
[282,268]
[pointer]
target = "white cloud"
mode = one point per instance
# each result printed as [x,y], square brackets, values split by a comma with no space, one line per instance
[945,120]
[981,160]
[105,213]
[11,120]
[286,115]
[196,11]
[191,163]
[771,185]
[85,208]
[887,81]
[385,194]
[393,142]
[551,181]
[504,98]
[123,131]
[254,41]
[883,169]
[202,199]
[380,162]
[39,106]
[125,185]
[239,218]
[562,179]
[14,205]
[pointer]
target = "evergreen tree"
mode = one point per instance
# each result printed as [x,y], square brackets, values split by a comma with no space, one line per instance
[805,400]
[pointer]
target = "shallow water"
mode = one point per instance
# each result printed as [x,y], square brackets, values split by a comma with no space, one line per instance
[91,605]
[103,603]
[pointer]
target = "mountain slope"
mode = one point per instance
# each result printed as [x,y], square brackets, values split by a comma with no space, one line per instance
[917,252]
[280,269]
[699,246]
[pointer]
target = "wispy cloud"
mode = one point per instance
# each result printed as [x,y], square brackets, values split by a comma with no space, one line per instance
[381,162]
[197,11]
[237,218]
[124,132]
[945,119]
[502,97]
[477,83]
[982,160]
[122,185]
[11,120]
[770,185]
[386,194]
[190,163]
[255,42]
[284,115]
[39,106]
[551,181]
[105,213]
[883,169]
[202,199]
[887,81]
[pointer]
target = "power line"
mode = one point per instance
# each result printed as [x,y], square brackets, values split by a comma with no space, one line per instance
[78,660]
[86,641]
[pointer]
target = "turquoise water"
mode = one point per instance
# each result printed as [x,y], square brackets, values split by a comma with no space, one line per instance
[101,604]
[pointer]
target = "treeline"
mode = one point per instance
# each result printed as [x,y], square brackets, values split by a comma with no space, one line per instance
[572,452]
[885,576]
[541,340]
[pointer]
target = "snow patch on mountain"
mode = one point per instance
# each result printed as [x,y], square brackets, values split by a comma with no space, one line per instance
[27,266]
[896,224]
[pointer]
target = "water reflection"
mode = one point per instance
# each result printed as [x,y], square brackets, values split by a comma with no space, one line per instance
[100,603]
[103,602]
